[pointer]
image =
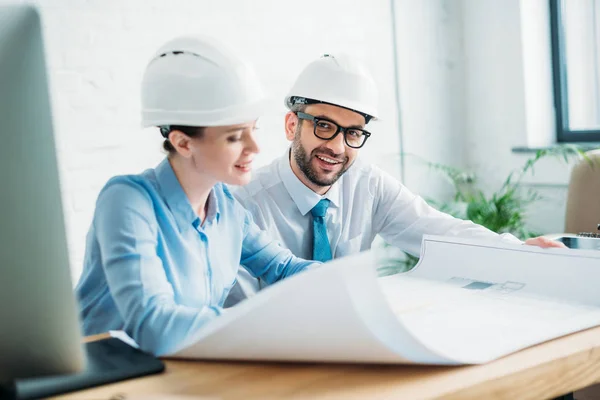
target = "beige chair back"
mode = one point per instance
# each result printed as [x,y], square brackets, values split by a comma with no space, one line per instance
[583,199]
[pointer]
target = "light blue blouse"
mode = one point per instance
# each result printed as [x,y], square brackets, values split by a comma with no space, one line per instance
[153,270]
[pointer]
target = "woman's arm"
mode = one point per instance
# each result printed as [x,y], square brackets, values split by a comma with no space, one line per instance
[126,229]
[267,259]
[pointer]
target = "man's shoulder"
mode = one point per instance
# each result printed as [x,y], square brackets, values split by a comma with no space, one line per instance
[368,177]
[362,170]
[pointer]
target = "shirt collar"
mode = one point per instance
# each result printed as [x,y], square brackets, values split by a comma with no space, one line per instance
[177,200]
[303,196]
[213,211]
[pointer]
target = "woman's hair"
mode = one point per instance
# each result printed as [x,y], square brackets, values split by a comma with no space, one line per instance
[191,131]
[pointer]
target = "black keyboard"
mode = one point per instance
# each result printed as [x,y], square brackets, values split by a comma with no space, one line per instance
[108,360]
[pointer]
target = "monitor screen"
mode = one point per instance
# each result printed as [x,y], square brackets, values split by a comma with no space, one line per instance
[39,328]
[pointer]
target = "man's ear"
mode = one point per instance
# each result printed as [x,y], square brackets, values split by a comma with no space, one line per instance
[181,142]
[291,124]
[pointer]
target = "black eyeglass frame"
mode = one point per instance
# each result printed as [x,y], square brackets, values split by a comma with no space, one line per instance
[316,120]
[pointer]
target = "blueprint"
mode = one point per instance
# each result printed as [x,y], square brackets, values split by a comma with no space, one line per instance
[466,302]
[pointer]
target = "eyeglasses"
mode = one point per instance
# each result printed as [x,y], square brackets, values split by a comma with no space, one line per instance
[327,130]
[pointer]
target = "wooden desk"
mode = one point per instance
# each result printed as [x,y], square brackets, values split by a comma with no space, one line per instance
[544,371]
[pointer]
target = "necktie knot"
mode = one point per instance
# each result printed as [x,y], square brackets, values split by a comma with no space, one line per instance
[320,209]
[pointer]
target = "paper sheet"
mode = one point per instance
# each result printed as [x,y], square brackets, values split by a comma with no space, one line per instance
[466,302]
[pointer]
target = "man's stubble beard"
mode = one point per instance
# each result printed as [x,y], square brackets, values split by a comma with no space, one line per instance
[303,160]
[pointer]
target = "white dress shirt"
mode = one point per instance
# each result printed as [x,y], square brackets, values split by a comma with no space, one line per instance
[364,202]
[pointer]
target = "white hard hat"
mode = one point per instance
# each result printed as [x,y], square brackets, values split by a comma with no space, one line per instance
[198,81]
[339,80]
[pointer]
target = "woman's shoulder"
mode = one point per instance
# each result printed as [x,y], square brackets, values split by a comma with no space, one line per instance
[133,188]
[125,201]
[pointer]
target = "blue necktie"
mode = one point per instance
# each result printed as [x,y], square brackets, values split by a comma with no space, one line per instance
[321,247]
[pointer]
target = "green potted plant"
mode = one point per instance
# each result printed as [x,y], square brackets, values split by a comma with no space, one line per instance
[504,210]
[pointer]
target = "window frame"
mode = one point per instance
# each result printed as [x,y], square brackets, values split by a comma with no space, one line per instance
[559,83]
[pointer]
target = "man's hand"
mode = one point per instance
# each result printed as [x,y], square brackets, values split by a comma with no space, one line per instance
[542,241]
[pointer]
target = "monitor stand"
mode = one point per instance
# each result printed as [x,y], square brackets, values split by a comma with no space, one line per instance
[108,360]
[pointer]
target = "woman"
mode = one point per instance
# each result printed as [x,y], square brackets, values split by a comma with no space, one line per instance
[164,246]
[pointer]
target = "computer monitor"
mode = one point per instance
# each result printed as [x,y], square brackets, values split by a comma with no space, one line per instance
[39,328]
[41,351]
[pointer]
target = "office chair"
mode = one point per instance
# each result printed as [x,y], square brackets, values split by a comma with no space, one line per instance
[583,215]
[583,198]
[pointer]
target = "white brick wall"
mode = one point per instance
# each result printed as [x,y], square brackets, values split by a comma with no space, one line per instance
[431,81]
[97,51]
[460,73]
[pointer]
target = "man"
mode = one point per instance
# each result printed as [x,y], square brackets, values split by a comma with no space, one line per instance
[319,199]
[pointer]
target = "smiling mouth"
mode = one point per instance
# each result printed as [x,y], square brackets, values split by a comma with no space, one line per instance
[245,166]
[328,160]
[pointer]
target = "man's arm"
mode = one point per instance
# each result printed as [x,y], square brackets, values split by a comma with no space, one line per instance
[402,218]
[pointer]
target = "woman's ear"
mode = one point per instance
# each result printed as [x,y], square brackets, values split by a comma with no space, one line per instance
[181,142]
[291,124]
